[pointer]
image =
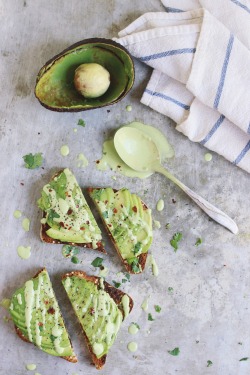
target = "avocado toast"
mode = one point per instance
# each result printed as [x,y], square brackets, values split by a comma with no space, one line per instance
[100,308]
[37,317]
[66,215]
[129,224]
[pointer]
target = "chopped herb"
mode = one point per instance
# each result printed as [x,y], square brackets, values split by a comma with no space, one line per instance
[97,262]
[33,161]
[75,260]
[157,308]
[175,240]
[134,262]
[170,289]
[124,281]
[40,328]
[127,275]
[137,325]
[116,284]
[105,214]
[175,351]
[52,338]
[150,317]
[137,247]
[167,226]
[81,122]
[209,363]
[69,251]
[52,215]
[244,359]
[198,242]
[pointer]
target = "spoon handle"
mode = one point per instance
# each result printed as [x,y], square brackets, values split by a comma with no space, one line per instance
[210,210]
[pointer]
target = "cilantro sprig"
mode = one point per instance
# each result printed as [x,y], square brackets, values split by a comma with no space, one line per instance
[174,242]
[175,351]
[33,161]
[97,262]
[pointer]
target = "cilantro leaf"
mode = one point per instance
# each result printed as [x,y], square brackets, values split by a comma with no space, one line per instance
[150,317]
[52,215]
[134,262]
[52,338]
[127,275]
[137,247]
[116,284]
[209,363]
[175,351]
[33,161]
[75,260]
[170,289]
[157,308]
[167,226]
[69,251]
[244,359]
[81,122]
[198,242]
[97,262]
[175,240]
[124,281]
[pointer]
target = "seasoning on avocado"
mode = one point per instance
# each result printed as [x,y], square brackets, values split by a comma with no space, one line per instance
[175,351]
[33,161]
[175,240]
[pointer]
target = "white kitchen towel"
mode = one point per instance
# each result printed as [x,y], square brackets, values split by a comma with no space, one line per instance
[172,98]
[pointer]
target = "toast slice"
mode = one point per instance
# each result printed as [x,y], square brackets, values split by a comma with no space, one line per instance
[100,308]
[129,224]
[67,218]
[37,317]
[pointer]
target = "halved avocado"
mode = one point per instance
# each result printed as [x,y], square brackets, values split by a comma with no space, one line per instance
[55,81]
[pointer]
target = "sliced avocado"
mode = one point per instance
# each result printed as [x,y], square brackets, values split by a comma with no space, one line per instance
[67,215]
[35,312]
[55,81]
[97,312]
[128,220]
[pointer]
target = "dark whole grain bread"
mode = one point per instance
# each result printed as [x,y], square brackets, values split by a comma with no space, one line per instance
[115,294]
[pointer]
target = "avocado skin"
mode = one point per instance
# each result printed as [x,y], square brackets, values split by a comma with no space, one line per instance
[78,44]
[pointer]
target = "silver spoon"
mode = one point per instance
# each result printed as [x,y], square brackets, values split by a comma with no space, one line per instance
[140,153]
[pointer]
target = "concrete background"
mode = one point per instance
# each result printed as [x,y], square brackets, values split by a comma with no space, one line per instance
[207,313]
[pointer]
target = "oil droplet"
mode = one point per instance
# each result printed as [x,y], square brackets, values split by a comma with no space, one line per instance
[160,205]
[129,108]
[23,252]
[208,156]
[26,224]
[5,303]
[157,224]
[132,346]
[144,304]
[30,366]
[17,214]
[133,329]
[64,150]
[82,161]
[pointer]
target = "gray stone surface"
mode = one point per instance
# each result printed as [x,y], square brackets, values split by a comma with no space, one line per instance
[207,313]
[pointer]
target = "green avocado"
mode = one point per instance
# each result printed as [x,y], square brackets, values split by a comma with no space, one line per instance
[67,213]
[55,81]
[128,220]
[97,312]
[35,312]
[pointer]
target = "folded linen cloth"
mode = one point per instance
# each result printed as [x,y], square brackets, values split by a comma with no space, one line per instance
[172,98]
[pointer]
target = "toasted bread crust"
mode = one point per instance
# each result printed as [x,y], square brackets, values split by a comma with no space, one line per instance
[115,294]
[142,257]
[45,238]
[71,358]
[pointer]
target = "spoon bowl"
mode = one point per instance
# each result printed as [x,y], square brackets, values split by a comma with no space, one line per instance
[140,153]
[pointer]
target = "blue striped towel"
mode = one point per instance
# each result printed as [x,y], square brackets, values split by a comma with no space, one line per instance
[201,76]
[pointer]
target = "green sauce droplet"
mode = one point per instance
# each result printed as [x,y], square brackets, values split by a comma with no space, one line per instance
[132,346]
[23,252]
[26,224]
[208,156]
[31,366]
[160,205]
[133,329]
[64,150]
[129,108]
[17,214]
[5,303]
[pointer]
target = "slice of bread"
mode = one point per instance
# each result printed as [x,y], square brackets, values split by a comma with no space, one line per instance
[67,218]
[38,319]
[100,308]
[128,222]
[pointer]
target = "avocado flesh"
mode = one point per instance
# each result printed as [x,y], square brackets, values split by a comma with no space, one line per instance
[127,220]
[66,211]
[97,312]
[55,82]
[35,311]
